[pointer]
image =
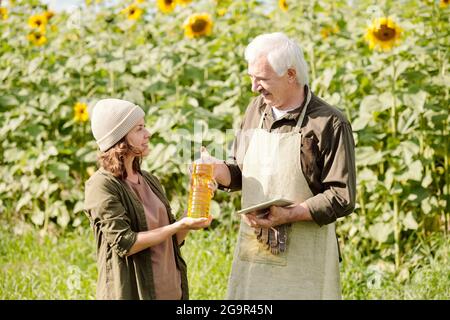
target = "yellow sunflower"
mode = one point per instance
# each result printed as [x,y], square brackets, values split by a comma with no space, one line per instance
[283,5]
[133,12]
[183,2]
[37,38]
[167,6]
[89,2]
[3,13]
[383,34]
[80,112]
[38,22]
[325,32]
[444,3]
[49,14]
[198,24]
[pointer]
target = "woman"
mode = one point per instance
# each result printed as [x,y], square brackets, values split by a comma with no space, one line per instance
[138,239]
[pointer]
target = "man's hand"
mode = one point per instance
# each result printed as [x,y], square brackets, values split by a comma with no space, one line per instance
[270,218]
[276,216]
[221,171]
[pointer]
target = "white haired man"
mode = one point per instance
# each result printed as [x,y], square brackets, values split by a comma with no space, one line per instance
[291,145]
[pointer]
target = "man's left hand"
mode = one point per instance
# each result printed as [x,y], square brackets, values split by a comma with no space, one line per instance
[274,217]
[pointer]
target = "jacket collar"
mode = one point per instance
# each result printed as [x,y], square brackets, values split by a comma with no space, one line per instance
[291,115]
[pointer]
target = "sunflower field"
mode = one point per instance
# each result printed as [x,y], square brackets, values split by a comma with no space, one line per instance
[385,64]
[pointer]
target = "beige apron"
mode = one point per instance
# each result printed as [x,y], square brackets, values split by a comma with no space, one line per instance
[309,268]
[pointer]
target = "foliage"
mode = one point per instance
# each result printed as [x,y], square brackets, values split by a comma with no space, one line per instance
[194,90]
[38,265]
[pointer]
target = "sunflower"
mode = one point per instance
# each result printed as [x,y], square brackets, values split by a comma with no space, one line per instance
[133,12]
[283,5]
[38,22]
[49,14]
[167,6]
[80,111]
[444,3]
[3,13]
[183,2]
[383,34]
[325,32]
[89,2]
[198,24]
[37,38]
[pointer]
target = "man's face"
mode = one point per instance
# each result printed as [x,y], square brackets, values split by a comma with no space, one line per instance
[273,88]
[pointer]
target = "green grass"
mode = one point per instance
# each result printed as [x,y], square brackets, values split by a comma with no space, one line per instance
[47,267]
[424,274]
[35,266]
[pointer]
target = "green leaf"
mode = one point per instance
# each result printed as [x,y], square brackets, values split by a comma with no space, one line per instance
[34,65]
[427,180]
[409,222]
[387,100]
[361,122]
[59,170]
[79,206]
[63,217]
[366,156]
[412,172]
[415,101]
[381,231]
[24,201]
[214,209]
[38,217]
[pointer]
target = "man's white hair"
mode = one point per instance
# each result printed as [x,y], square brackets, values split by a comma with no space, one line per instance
[281,52]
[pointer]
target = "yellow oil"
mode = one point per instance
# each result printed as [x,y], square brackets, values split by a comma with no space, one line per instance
[199,192]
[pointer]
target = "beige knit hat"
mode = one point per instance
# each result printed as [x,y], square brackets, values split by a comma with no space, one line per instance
[112,119]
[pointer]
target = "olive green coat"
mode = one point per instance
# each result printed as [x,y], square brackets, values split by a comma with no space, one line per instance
[116,216]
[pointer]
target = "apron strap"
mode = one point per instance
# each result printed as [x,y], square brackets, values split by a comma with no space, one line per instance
[302,114]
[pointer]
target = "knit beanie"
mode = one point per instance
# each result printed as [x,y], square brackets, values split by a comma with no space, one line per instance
[112,119]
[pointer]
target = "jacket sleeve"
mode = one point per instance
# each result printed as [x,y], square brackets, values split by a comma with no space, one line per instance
[109,216]
[338,178]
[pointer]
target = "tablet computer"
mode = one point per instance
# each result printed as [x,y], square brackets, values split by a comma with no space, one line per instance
[265,205]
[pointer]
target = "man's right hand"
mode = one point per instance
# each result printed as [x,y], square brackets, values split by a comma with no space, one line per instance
[221,172]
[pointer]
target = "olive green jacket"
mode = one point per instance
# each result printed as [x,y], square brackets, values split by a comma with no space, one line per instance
[116,216]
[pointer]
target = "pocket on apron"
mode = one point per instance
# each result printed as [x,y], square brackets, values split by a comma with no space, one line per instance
[251,250]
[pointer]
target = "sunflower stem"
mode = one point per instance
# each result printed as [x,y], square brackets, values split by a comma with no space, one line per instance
[394,100]
[395,196]
[442,61]
[111,81]
[362,203]
[396,232]
[311,49]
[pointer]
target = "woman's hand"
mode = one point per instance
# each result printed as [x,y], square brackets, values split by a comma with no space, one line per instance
[189,223]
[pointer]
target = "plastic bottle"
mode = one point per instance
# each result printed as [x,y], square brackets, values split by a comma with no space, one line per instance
[200,192]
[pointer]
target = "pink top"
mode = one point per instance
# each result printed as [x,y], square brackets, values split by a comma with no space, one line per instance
[166,276]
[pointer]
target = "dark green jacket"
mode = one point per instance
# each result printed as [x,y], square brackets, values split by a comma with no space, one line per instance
[116,216]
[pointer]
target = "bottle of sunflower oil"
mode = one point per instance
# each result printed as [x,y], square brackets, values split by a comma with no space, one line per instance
[200,192]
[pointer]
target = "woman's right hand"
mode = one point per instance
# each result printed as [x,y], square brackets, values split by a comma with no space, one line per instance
[189,223]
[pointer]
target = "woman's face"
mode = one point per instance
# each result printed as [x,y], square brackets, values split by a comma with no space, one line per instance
[138,138]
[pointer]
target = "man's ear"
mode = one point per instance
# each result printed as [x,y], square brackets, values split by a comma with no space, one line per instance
[292,75]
